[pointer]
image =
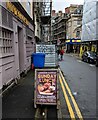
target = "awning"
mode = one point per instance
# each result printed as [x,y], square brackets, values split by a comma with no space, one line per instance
[71,41]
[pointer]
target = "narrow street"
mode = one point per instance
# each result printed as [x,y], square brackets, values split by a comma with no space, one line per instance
[42,48]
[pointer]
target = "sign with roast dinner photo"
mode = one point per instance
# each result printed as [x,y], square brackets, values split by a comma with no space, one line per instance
[46,86]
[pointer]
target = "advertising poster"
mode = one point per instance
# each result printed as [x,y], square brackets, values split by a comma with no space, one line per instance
[46,87]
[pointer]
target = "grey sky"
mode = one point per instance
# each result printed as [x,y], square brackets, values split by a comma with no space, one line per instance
[61,4]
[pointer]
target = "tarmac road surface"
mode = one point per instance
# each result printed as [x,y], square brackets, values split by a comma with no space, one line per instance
[81,78]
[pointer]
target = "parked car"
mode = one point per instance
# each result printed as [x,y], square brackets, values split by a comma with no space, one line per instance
[89,57]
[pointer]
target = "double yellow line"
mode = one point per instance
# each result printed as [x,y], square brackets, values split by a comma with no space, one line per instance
[72,115]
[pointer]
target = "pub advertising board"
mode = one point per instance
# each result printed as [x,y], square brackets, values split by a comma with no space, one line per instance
[46,86]
[50,54]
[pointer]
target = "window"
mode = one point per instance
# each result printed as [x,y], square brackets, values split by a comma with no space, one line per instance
[78,22]
[78,34]
[5,42]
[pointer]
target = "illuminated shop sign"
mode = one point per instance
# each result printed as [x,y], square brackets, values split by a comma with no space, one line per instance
[16,12]
[75,41]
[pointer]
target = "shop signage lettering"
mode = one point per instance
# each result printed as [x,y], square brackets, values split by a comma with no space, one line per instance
[16,12]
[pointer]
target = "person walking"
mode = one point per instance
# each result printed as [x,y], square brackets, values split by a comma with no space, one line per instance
[61,53]
[58,52]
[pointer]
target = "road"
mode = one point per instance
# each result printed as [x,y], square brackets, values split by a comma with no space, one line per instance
[81,78]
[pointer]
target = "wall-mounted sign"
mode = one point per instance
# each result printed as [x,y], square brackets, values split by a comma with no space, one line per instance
[46,86]
[16,12]
[50,54]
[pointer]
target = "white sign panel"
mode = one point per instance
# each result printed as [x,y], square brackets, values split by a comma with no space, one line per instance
[50,54]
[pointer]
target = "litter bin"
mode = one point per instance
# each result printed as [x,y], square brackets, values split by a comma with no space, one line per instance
[38,59]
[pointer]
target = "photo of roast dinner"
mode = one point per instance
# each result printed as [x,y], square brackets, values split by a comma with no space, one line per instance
[46,89]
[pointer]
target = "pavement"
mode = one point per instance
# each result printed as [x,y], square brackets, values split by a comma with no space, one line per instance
[17,102]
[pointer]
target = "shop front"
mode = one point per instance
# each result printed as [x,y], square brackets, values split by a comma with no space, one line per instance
[88,46]
[73,45]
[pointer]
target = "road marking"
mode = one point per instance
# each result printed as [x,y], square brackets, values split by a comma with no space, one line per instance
[73,100]
[67,100]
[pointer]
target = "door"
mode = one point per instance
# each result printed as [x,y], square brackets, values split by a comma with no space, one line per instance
[20,49]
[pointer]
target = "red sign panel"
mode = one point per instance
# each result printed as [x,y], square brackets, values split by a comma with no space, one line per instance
[46,86]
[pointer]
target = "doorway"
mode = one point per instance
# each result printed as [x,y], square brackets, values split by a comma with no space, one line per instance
[20,49]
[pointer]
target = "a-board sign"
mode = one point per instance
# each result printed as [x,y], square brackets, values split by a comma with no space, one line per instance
[50,54]
[46,86]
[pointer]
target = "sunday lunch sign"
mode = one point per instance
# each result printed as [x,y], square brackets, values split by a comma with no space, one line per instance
[46,86]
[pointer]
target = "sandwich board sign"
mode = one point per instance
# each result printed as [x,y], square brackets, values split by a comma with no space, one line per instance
[46,86]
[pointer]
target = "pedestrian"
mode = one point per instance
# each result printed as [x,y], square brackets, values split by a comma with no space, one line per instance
[58,52]
[61,53]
